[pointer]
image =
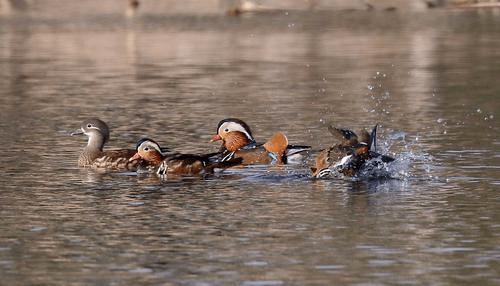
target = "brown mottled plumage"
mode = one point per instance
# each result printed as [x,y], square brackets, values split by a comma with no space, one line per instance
[93,156]
[176,164]
[349,155]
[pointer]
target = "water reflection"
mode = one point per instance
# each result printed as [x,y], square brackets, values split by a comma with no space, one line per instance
[428,80]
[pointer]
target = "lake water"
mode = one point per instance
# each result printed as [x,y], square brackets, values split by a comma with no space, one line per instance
[430,80]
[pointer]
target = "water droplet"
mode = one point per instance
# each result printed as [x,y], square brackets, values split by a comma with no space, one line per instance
[478,110]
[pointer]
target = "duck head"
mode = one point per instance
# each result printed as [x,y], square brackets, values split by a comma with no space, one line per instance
[149,151]
[234,134]
[96,130]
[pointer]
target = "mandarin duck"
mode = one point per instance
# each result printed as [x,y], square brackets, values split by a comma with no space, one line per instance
[93,155]
[351,155]
[162,163]
[238,142]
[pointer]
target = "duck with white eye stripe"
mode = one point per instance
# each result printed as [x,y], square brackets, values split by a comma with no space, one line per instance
[93,155]
[238,142]
[161,163]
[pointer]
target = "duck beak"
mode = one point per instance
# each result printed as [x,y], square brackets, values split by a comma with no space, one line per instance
[135,157]
[216,138]
[77,132]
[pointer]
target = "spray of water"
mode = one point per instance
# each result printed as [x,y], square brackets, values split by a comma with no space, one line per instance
[408,163]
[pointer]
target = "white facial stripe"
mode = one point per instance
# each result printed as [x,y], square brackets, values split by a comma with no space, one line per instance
[151,145]
[233,126]
[90,129]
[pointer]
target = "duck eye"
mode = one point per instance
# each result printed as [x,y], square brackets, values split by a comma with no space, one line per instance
[89,125]
[226,130]
[146,149]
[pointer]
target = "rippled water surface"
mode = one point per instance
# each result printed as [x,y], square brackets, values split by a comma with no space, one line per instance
[430,80]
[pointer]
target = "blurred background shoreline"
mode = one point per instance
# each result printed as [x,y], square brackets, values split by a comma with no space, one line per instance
[50,8]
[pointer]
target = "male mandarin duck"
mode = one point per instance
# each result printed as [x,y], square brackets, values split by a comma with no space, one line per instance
[93,155]
[351,155]
[161,163]
[238,142]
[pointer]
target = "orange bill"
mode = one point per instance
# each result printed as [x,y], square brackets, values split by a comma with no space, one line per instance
[135,157]
[216,138]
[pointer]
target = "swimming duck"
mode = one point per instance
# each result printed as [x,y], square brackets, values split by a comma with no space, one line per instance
[93,155]
[238,142]
[351,155]
[161,163]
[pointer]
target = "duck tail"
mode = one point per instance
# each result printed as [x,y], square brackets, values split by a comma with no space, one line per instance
[372,141]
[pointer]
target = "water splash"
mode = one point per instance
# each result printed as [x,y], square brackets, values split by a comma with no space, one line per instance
[408,162]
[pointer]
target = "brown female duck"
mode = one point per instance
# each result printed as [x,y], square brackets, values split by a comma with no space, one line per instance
[93,155]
